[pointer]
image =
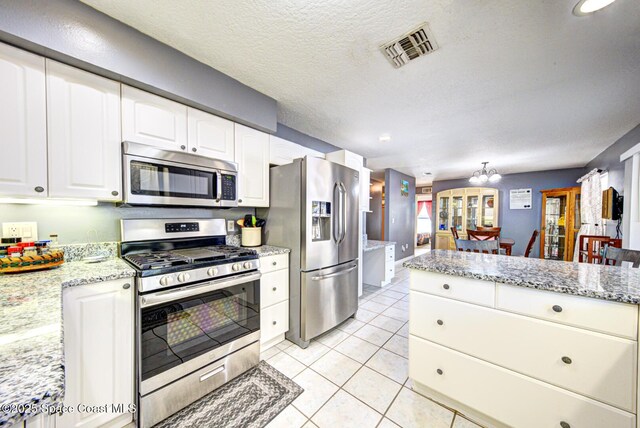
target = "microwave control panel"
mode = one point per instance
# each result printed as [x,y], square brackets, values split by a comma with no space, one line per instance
[181,227]
[228,187]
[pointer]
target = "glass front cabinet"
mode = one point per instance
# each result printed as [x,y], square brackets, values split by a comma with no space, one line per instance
[560,223]
[464,209]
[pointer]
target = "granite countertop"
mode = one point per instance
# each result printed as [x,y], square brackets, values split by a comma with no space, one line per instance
[619,284]
[376,245]
[270,250]
[31,333]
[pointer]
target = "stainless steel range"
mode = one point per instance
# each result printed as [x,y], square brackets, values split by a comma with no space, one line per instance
[197,311]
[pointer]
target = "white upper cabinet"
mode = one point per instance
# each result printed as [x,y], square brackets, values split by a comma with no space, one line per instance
[23,124]
[153,120]
[282,151]
[83,112]
[210,135]
[365,189]
[252,156]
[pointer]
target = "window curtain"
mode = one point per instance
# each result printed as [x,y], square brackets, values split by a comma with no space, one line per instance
[590,208]
[429,205]
[424,205]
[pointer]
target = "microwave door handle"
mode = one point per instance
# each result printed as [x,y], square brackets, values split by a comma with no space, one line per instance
[193,290]
[218,186]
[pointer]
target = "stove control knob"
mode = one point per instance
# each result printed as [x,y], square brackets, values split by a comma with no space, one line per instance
[247,265]
[236,267]
[212,271]
[166,280]
[182,277]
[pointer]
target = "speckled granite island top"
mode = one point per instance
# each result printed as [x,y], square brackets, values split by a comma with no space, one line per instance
[620,284]
[376,245]
[31,335]
[270,250]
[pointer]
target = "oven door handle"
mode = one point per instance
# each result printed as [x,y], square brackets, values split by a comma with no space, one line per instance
[193,290]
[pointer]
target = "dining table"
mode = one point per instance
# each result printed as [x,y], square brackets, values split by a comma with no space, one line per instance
[507,245]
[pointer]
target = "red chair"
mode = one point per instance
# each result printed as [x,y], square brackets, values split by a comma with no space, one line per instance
[532,241]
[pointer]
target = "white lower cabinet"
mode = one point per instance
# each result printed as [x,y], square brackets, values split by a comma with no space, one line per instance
[42,421]
[504,395]
[274,299]
[497,353]
[378,266]
[98,345]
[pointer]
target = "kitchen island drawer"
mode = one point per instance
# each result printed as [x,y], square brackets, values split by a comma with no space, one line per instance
[274,287]
[620,319]
[511,398]
[588,363]
[271,263]
[454,287]
[274,321]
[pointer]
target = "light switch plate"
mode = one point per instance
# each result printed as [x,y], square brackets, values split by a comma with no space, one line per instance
[27,230]
[231,226]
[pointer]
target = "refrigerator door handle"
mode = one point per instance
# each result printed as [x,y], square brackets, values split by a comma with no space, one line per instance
[343,206]
[336,213]
[331,275]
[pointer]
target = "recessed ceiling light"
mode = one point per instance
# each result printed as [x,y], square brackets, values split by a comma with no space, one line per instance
[384,138]
[426,173]
[586,7]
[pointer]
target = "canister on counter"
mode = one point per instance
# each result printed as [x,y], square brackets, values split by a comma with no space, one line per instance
[14,251]
[29,252]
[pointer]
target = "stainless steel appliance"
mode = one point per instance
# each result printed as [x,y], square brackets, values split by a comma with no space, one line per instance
[197,311]
[161,177]
[314,211]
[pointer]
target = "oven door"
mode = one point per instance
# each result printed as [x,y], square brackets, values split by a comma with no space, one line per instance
[183,329]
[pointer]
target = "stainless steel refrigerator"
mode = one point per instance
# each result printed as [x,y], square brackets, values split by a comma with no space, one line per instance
[313,211]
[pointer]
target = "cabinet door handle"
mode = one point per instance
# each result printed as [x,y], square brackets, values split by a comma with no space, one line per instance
[439,371]
[126,286]
[557,308]
[274,263]
[39,189]
[274,288]
[564,424]
[183,147]
[440,322]
[239,201]
[566,360]
[194,150]
[445,286]
[274,323]
[115,193]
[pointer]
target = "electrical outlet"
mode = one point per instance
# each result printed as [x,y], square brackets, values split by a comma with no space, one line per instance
[231,226]
[27,230]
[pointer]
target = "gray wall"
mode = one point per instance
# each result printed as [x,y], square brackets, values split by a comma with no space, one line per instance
[399,213]
[102,223]
[609,159]
[304,139]
[74,33]
[374,218]
[517,224]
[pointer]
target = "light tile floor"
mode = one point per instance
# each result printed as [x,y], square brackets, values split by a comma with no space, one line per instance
[357,374]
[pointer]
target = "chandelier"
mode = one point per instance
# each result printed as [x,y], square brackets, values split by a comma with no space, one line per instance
[481,176]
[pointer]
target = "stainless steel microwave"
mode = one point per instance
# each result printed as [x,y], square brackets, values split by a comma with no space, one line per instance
[161,177]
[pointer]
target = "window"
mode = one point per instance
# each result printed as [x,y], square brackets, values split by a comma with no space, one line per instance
[424,219]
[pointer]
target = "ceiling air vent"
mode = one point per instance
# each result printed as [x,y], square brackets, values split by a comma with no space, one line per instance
[412,45]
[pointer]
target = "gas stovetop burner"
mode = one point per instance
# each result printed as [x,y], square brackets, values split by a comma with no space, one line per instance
[188,256]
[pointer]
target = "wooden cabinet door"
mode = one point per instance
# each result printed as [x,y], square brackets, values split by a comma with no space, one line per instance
[98,341]
[252,156]
[83,112]
[23,124]
[210,135]
[153,120]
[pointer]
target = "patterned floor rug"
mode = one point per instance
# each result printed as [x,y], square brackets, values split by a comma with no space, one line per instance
[249,401]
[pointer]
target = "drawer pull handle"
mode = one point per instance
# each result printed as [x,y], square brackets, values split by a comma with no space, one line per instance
[274,288]
[212,373]
[439,371]
[183,147]
[440,322]
[126,286]
[566,360]
[564,424]
[445,286]
[274,323]
[274,263]
[557,308]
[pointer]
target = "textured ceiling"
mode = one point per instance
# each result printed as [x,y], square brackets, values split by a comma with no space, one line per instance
[523,84]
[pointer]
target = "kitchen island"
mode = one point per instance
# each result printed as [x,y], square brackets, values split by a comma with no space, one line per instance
[378,267]
[524,342]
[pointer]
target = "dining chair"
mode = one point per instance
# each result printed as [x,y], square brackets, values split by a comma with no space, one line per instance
[486,247]
[483,235]
[532,241]
[454,232]
[490,229]
[615,256]
[596,246]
